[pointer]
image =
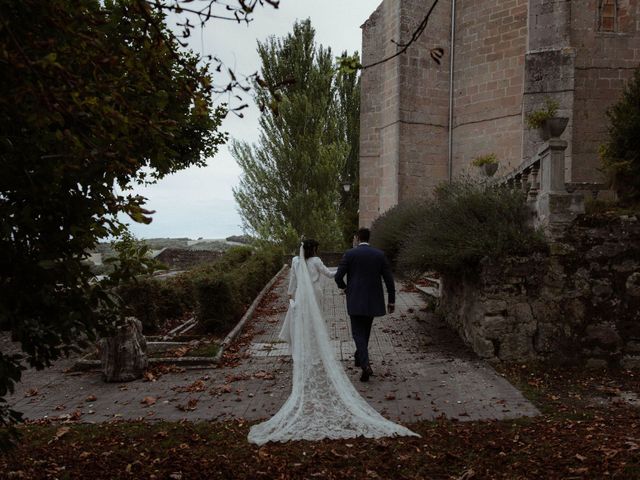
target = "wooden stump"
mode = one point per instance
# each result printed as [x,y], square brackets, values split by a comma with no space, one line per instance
[124,356]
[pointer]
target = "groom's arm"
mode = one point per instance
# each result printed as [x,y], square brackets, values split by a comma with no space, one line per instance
[341,272]
[387,276]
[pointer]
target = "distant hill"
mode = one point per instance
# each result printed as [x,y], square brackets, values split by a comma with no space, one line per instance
[105,250]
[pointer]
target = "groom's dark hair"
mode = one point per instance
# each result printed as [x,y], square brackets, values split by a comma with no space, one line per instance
[363,234]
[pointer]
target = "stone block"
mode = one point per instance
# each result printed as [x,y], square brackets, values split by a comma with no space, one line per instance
[492,306]
[605,251]
[603,335]
[516,347]
[630,362]
[596,364]
[627,266]
[546,338]
[496,326]
[601,290]
[484,348]
[575,311]
[632,284]
[522,312]
[632,346]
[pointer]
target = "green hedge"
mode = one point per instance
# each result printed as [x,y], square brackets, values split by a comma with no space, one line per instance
[217,293]
[389,231]
[155,301]
[224,296]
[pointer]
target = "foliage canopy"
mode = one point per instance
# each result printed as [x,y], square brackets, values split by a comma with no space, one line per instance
[96,98]
[308,132]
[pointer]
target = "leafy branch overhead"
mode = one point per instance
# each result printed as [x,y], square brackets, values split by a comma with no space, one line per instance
[98,96]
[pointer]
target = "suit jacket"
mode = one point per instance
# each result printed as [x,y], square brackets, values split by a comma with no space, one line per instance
[364,266]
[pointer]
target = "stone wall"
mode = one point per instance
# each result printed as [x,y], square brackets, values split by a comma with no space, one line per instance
[580,303]
[181,259]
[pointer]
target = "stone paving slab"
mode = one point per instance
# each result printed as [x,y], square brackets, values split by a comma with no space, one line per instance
[422,371]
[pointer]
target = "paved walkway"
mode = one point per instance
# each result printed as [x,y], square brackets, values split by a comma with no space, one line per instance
[422,371]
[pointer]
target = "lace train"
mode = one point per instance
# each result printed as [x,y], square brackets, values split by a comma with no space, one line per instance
[323,402]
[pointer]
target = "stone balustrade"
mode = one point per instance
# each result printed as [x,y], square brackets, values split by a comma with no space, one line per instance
[554,203]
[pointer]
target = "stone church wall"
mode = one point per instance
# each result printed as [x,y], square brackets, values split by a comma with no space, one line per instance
[510,55]
[404,109]
[491,41]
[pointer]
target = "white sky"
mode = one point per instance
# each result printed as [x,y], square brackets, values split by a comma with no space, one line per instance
[198,202]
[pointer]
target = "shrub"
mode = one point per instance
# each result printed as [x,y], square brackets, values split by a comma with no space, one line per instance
[216,292]
[621,153]
[219,305]
[155,301]
[389,230]
[536,118]
[488,159]
[465,222]
[226,288]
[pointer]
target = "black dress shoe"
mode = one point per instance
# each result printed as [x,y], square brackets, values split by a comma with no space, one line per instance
[366,373]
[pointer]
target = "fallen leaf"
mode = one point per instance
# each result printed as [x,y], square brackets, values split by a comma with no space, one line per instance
[148,401]
[61,432]
[32,392]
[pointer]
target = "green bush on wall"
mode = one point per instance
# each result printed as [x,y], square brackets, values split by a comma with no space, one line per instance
[390,229]
[464,222]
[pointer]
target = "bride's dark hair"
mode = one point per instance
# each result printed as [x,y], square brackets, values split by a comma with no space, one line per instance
[310,247]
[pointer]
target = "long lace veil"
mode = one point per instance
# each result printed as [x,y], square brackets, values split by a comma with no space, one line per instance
[323,402]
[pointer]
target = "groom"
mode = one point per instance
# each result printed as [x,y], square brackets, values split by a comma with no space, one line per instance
[363,266]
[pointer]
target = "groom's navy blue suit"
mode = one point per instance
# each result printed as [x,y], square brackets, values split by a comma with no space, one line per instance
[364,266]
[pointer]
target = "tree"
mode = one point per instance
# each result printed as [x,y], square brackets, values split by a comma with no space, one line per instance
[348,98]
[96,97]
[291,178]
[621,152]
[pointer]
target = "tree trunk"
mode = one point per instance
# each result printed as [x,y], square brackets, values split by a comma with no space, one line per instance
[124,356]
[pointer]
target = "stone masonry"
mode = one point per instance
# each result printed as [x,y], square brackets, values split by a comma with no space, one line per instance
[509,56]
[579,303]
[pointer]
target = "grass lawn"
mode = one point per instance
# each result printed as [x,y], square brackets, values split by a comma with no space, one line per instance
[584,432]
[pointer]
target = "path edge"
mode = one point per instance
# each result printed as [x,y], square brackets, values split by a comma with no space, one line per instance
[233,334]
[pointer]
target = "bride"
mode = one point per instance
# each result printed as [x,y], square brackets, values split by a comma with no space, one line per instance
[323,402]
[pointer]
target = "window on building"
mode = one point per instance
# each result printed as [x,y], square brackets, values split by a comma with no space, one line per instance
[608,16]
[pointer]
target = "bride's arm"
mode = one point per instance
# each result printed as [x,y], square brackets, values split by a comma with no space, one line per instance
[324,270]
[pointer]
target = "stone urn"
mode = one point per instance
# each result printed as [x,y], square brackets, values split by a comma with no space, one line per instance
[553,127]
[124,355]
[490,169]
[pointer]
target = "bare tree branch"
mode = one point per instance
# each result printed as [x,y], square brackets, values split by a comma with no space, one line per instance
[436,53]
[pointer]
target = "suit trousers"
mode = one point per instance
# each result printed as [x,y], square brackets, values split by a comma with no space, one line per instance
[361,331]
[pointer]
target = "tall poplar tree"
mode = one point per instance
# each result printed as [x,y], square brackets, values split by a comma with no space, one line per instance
[291,184]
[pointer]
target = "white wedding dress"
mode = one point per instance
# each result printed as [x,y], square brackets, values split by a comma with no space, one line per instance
[323,402]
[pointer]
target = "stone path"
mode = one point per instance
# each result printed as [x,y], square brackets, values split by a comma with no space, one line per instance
[422,371]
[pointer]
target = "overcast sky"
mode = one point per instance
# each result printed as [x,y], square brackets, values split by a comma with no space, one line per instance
[198,202]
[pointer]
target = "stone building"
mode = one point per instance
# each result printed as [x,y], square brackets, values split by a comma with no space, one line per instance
[423,123]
